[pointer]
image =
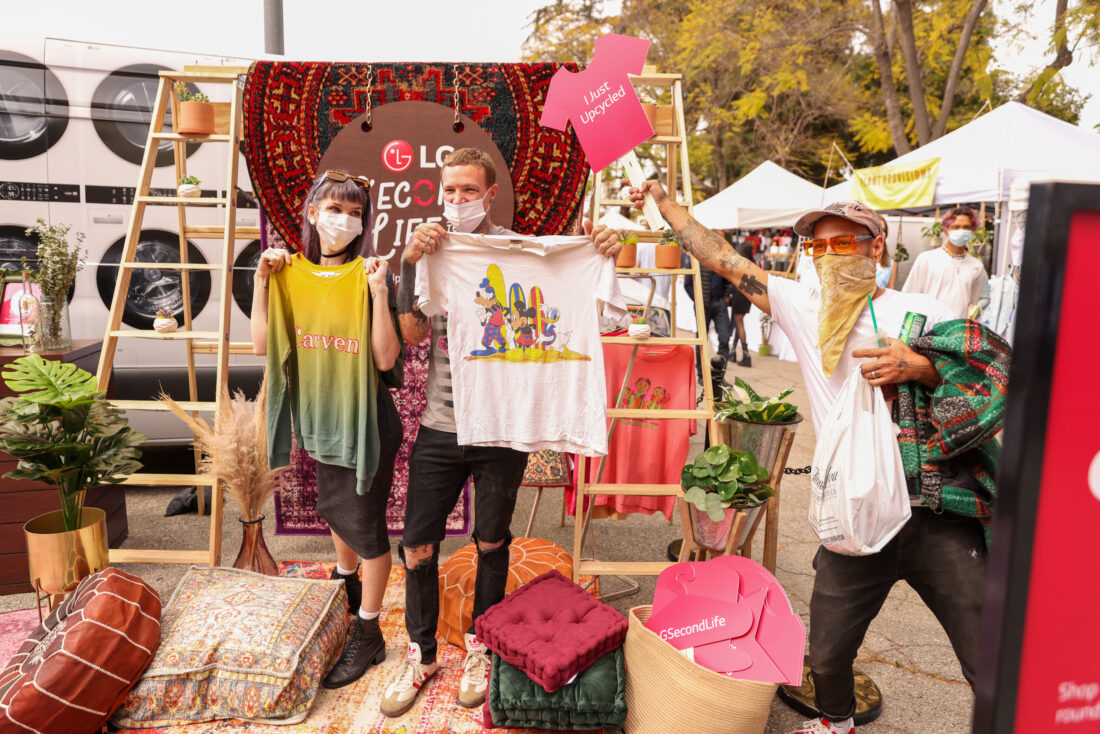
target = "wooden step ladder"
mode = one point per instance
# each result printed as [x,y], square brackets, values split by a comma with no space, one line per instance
[677,186]
[228,117]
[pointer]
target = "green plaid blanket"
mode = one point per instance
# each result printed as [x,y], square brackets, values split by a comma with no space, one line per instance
[947,434]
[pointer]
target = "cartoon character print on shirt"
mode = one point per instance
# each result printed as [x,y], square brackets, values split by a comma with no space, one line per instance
[532,333]
[641,396]
[491,313]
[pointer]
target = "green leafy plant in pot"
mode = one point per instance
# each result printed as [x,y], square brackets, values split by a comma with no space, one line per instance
[63,432]
[753,422]
[719,482]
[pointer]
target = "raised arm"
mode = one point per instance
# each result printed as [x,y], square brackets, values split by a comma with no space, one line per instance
[708,247]
[424,240]
[384,341]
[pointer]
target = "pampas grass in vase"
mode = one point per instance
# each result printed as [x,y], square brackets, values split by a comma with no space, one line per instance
[235,451]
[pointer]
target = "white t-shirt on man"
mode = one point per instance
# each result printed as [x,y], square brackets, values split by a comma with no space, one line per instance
[795,307]
[523,338]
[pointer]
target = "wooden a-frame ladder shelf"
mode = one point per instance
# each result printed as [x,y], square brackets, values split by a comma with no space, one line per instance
[196,342]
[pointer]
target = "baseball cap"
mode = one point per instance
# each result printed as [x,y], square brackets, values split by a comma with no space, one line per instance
[854,211]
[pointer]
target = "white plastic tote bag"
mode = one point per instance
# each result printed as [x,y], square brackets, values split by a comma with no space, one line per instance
[858,498]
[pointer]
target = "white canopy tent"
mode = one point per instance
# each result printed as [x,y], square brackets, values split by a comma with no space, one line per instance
[767,196]
[979,160]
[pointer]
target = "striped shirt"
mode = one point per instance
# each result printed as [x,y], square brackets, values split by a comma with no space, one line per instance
[439,413]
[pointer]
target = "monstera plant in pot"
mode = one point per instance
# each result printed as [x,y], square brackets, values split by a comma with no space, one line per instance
[753,422]
[716,485]
[63,432]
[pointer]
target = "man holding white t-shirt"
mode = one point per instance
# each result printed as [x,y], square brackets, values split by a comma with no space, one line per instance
[941,555]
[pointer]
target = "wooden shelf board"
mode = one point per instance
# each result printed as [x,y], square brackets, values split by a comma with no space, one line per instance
[657,415]
[624,568]
[151,334]
[187,405]
[640,490]
[127,555]
[184,200]
[692,340]
[215,137]
[169,480]
[212,347]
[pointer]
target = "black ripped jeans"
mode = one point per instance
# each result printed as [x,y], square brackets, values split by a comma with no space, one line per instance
[438,469]
[942,556]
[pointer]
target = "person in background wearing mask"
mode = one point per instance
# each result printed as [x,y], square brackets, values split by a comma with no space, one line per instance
[941,551]
[949,273]
[335,232]
[439,466]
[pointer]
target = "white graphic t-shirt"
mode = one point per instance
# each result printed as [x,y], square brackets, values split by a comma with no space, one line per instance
[523,337]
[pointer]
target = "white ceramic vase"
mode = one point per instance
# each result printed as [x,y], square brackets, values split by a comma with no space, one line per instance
[165,326]
[189,190]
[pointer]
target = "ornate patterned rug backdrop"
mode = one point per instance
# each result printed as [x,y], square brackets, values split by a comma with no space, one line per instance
[354,708]
[296,489]
[293,110]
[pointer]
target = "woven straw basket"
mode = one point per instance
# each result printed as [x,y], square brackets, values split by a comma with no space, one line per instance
[666,692]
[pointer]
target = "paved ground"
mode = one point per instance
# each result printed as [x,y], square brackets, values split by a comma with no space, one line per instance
[906,651]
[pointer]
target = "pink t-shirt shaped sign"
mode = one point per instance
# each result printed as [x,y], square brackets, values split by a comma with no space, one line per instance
[601,102]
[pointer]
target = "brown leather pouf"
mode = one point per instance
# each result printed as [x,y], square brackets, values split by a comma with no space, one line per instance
[75,669]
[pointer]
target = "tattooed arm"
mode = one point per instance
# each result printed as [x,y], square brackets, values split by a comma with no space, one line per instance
[414,325]
[709,247]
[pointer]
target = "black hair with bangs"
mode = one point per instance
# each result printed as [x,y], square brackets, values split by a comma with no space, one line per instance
[342,191]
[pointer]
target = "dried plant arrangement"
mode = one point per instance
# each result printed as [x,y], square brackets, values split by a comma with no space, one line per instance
[236,452]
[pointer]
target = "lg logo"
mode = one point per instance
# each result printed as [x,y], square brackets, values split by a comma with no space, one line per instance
[397,156]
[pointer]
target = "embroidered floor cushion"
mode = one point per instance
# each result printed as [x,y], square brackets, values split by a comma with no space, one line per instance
[551,630]
[76,667]
[527,558]
[596,698]
[239,645]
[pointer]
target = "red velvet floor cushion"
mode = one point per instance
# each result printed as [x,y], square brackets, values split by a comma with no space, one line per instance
[527,558]
[551,630]
[78,665]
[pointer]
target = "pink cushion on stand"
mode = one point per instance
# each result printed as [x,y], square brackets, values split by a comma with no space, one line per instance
[551,629]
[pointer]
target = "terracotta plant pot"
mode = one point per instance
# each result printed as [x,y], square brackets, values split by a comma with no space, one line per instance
[628,256]
[668,256]
[59,559]
[196,118]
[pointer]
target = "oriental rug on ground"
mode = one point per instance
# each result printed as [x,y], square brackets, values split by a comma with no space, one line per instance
[294,110]
[354,708]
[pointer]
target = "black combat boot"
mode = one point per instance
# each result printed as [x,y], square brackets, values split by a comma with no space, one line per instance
[365,647]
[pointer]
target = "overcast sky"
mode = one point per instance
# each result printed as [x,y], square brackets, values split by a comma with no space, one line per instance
[379,30]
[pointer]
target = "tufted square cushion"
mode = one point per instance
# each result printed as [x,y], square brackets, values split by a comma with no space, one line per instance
[76,667]
[239,645]
[595,699]
[551,630]
[527,558]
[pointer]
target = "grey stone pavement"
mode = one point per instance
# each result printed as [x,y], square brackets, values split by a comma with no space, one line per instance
[906,652]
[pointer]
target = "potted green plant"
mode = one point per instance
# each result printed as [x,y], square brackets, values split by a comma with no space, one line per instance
[189,187]
[63,432]
[165,322]
[716,485]
[57,269]
[639,329]
[752,422]
[196,113]
[628,255]
[667,254]
[765,348]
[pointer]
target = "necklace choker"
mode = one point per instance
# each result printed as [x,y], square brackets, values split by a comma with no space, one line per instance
[337,254]
[960,256]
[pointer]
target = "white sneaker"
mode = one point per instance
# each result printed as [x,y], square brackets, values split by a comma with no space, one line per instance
[823,726]
[411,676]
[475,673]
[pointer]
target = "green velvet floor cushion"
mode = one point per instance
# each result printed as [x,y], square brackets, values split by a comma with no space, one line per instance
[239,645]
[594,699]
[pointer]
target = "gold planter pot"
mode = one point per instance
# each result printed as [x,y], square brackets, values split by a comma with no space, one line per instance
[60,558]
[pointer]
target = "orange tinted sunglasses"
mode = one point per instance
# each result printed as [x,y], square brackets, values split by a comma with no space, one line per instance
[842,244]
[361,181]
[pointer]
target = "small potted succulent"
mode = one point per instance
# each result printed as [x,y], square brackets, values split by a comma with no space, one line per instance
[716,485]
[628,255]
[639,329]
[667,254]
[189,187]
[165,322]
[765,348]
[196,112]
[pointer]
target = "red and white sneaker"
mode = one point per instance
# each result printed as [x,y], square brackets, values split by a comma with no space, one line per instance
[824,726]
[475,674]
[410,678]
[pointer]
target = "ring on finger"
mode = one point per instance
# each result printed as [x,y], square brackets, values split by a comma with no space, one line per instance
[874,374]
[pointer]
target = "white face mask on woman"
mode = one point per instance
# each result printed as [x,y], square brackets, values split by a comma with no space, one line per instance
[337,230]
[465,217]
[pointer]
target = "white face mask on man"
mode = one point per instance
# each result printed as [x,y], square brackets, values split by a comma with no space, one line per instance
[337,230]
[465,217]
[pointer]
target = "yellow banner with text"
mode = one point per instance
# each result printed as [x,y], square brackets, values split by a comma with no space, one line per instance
[898,185]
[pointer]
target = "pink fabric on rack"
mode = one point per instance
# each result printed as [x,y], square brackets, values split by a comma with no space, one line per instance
[643,450]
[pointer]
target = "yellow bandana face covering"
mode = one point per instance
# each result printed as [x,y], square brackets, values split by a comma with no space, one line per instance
[846,280]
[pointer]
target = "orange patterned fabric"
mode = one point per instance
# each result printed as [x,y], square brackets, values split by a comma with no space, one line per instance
[527,558]
[77,666]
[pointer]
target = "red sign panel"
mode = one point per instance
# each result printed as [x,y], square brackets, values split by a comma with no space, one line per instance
[1059,677]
